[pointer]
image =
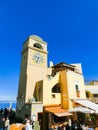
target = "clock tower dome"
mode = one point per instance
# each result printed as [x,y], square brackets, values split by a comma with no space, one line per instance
[33,68]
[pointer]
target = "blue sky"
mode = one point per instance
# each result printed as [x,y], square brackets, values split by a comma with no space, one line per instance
[70,27]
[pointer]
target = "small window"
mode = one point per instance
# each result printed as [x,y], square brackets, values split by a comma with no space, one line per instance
[53,95]
[49,77]
[37,45]
[77,87]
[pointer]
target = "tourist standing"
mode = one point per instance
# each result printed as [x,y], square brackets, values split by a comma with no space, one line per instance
[6,124]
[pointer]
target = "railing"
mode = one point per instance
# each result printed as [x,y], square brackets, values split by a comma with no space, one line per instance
[31,99]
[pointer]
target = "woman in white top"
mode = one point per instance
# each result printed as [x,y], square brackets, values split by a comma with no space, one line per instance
[6,124]
[28,126]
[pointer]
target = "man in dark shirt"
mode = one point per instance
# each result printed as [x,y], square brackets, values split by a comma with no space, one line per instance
[1,123]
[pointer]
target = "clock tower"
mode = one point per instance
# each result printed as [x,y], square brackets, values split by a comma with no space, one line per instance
[33,68]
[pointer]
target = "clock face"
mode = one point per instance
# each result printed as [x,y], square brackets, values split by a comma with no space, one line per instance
[37,57]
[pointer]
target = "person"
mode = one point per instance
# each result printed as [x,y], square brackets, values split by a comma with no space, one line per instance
[83,126]
[26,118]
[2,120]
[69,123]
[6,123]
[28,126]
[88,128]
[50,127]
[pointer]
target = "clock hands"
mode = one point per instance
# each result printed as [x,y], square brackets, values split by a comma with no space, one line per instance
[38,58]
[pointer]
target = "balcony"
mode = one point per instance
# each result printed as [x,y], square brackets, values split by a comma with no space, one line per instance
[78,93]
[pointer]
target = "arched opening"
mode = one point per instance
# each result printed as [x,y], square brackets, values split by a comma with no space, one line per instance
[37,45]
[56,88]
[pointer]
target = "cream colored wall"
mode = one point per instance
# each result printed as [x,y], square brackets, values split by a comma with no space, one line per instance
[47,91]
[68,80]
[72,80]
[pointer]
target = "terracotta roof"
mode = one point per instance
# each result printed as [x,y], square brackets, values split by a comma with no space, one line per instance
[63,65]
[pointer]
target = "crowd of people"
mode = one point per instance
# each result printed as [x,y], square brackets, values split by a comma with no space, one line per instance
[4,123]
[6,117]
[8,112]
[69,125]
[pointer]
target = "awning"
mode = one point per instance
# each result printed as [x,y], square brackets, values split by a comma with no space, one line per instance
[58,111]
[81,109]
[93,90]
[55,110]
[63,114]
[87,104]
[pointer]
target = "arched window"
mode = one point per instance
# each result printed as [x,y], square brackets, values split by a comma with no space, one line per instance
[37,45]
[56,88]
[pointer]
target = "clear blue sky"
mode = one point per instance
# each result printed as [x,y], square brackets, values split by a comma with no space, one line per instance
[70,27]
